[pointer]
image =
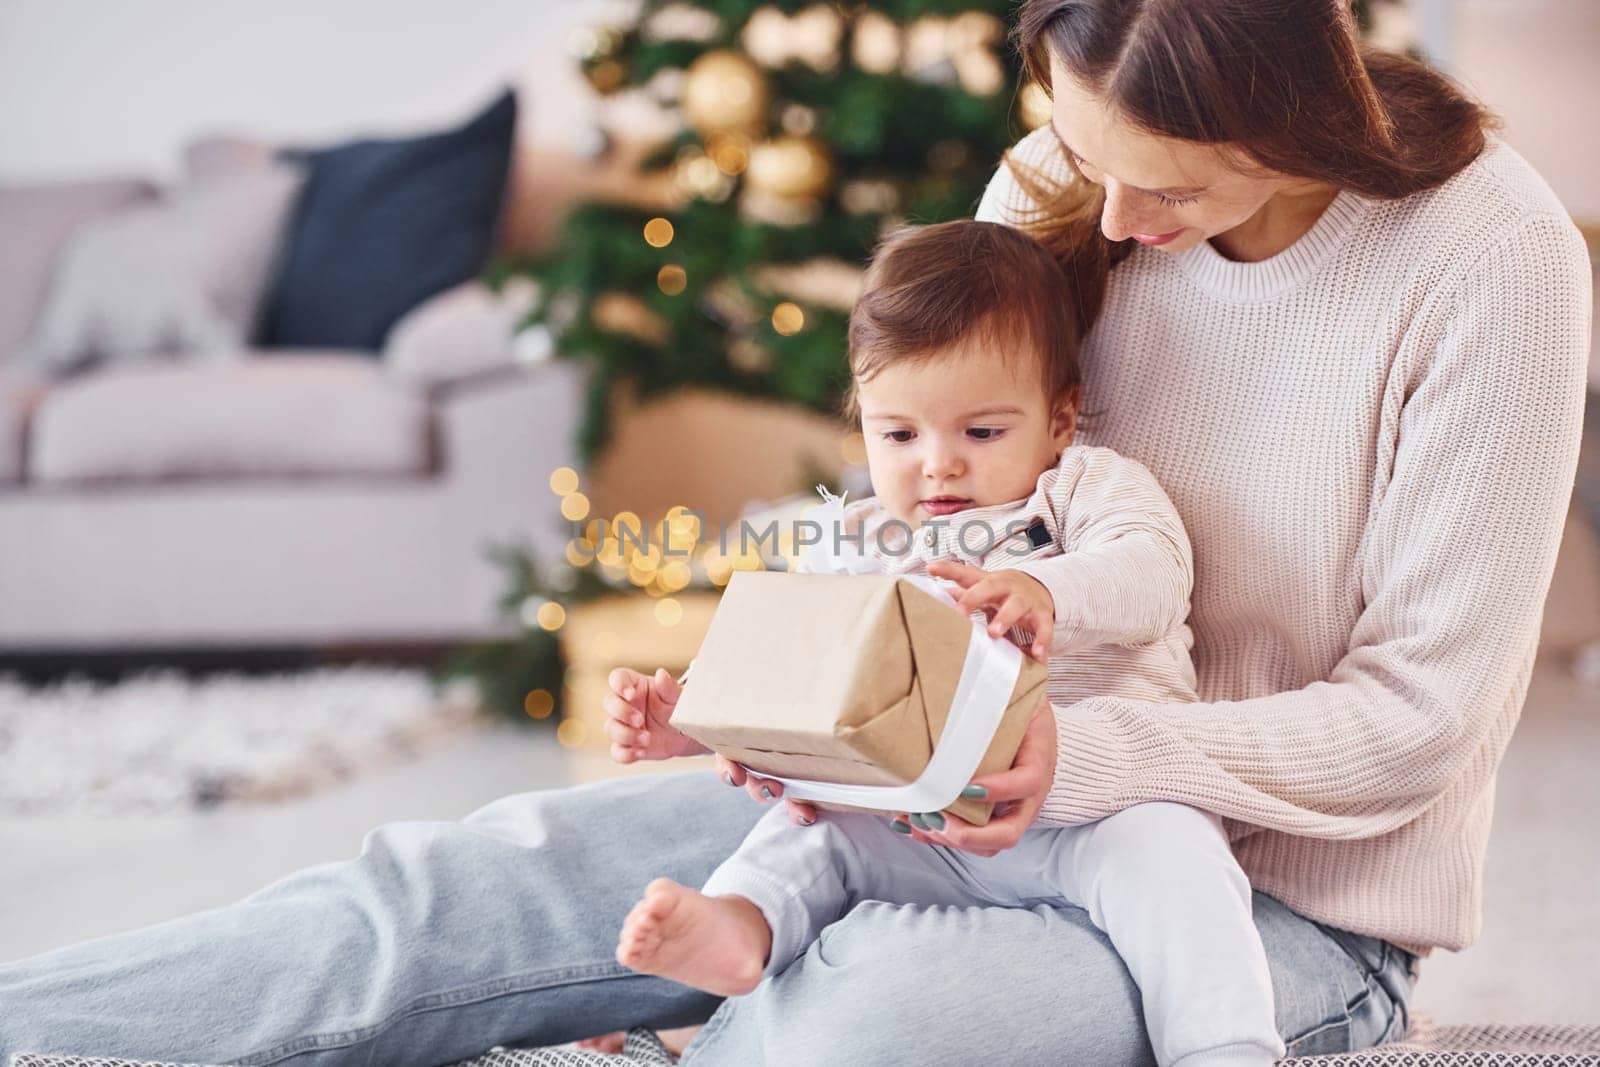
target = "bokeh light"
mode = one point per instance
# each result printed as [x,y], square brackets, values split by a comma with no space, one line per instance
[788,319]
[658,232]
[563,480]
[672,279]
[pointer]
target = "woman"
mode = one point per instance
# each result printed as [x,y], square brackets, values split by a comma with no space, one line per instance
[1348,336]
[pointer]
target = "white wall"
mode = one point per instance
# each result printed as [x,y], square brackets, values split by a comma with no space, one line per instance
[1537,64]
[106,87]
[102,86]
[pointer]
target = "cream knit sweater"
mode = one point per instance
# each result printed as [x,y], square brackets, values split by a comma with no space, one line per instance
[1371,438]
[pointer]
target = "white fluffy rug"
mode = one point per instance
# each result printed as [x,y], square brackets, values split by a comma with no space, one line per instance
[162,741]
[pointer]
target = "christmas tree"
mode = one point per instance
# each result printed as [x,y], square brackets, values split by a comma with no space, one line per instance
[806,131]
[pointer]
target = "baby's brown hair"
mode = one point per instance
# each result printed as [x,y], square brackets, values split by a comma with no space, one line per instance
[930,287]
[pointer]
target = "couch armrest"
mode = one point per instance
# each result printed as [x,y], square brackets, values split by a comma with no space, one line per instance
[464,333]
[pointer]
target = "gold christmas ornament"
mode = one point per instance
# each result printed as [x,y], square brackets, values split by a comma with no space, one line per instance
[811,37]
[875,44]
[790,168]
[723,92]
[959,49]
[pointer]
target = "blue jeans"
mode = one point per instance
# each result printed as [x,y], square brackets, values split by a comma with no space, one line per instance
[443,939]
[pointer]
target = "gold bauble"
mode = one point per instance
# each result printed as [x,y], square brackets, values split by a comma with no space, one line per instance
[724,91]
[790,168]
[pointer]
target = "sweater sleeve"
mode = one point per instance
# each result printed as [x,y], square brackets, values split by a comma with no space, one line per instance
[1457,557]
[1127,570]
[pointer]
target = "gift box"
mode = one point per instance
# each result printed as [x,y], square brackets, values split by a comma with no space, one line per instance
[851,681]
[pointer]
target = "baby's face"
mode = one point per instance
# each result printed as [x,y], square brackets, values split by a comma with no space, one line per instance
[958,431]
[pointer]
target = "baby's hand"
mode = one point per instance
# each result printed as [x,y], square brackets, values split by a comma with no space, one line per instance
[1009,598]
[638,714]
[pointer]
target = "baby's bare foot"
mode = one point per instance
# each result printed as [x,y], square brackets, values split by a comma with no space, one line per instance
[718,944]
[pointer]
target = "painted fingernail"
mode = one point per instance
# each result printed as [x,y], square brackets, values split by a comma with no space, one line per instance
[933,821]
[766,794]
[727,777]
[899,827]
[803,821]
[974,792]
[916,820]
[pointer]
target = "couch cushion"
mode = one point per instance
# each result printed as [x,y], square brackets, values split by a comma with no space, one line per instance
[37,220]
[383,225]
[323,414]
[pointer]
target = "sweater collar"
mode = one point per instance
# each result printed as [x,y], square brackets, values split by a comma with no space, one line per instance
[1246,282]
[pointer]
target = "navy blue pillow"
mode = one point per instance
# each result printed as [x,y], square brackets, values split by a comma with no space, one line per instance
[383,225]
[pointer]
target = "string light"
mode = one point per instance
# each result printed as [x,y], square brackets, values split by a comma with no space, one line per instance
[572,733]
[574,506]
[658,232]
[539,704]
[551,615]
[563,480]
[672,279]
[788,319]
[669,612]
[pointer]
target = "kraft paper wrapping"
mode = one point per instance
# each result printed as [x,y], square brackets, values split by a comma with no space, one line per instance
[839,678]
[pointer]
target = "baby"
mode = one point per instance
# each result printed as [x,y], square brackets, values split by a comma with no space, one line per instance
[963,357]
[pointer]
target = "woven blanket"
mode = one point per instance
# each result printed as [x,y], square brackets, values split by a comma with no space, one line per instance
[1425,1046]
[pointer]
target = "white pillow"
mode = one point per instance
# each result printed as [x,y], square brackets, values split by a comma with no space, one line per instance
[185,275]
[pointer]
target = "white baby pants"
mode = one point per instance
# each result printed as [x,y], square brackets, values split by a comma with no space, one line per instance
[1158,879]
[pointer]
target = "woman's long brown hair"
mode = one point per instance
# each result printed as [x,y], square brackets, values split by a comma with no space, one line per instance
[1285,83]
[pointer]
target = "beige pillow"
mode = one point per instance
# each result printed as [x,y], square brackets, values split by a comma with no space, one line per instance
[185,275]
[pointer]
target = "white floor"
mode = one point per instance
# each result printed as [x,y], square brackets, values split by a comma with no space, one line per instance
[1538,960]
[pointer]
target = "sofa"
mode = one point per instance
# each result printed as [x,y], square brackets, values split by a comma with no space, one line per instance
[222,482]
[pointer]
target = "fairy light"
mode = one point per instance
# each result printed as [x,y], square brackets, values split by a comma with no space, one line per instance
[669,612]
[788,319]
[574,506]
[551,616]
[539,704]
[563,480]
[658,232]
[672,279]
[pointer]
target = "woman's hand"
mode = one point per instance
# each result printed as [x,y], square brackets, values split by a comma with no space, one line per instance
[638,713]
[1018,794]
[1009,598]
[765,790]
